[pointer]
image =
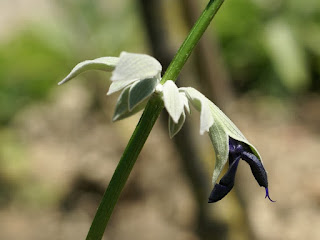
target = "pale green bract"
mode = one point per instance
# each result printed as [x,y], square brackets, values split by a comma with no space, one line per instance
[132,67]
[122,107]
[139,75]
[174,128]
[104,63]
[172,100]
[140,91]
[136,74]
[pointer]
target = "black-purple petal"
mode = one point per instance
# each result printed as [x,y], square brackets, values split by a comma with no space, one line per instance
[237,150]
[257,168]
[219,191]
[225,184]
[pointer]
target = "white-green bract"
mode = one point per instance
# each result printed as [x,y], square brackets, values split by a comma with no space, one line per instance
[139,75]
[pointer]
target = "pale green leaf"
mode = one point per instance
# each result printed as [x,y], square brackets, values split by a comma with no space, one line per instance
[133,67]
[141,90]
[172,100]
[104,63]
[174,128]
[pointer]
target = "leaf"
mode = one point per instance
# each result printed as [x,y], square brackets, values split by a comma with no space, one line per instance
[174,128]
[172,100]
[133,67]
[141,90]
[104,63]
[220,142]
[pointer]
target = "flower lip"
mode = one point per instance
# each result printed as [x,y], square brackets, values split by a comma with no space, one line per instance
[239,150]
[226,183]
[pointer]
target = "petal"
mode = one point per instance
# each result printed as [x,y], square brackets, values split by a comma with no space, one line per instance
[104,63]
[257,168]
[132,67]
[226,183]
[236,148]
[228,178]
[218,192]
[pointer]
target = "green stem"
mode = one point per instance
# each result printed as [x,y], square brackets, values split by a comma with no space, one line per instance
[145,125]
[191,41]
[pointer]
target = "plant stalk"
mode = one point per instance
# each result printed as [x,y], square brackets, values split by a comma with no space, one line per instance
[145,125]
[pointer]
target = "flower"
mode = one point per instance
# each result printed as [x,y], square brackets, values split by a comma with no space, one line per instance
[139,75]
[237,151]
[229,143]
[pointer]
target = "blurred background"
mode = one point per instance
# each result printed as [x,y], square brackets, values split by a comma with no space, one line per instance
[259,62]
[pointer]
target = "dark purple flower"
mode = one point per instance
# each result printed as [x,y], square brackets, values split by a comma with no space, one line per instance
[239,150]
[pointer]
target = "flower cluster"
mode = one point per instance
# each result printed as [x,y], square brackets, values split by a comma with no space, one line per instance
[139,75]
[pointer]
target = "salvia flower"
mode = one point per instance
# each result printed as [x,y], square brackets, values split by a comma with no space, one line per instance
[139,75]
[239,150]
[228,142]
